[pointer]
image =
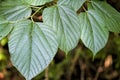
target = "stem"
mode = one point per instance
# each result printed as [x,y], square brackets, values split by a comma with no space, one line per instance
[34,6]
[35,13]
[73,62]
[46,73]
[99,70]
[82,67]
[39,7]
[55,0]
[84,9]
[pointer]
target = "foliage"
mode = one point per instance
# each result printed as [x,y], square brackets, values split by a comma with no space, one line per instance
[33,45]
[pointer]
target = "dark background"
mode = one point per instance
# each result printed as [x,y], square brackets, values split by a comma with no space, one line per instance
[79,64]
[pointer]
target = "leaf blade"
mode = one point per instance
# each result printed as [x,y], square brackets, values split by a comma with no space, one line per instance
[94,34]
[75,4]
[112,16]
[31,48]
[37,2]
[64,22]
[18,10]
[5,27]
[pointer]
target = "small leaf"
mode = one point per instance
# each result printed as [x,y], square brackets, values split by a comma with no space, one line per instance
[5,27]
[112,16]
[75,4]
[15,10]
[94,34]
[65,23]
[32,47]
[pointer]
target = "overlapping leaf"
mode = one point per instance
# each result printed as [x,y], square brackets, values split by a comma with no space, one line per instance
[75,4]
[32,47]
[94,34]
[15,9]
[5,27]
[36,2]
[112,16]
[65,22]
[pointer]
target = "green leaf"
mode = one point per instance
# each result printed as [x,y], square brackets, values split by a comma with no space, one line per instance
[32,47]
[94,34]
[112,16]
[37,2]
[65,23]
[15,10]
[5,27]
[75,4]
